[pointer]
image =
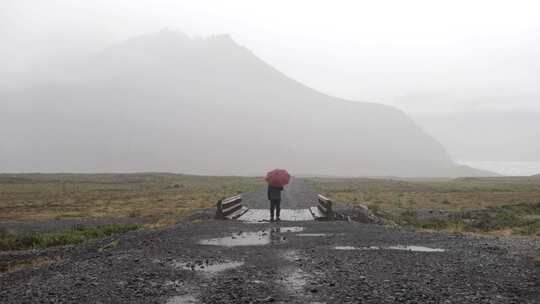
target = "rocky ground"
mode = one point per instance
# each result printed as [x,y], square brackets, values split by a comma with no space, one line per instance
[212,261]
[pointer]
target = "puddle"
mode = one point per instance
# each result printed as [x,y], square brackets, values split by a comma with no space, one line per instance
[417,248]
[291,255]
[207,267]
[373,248]
[263,237]
[398,247]
[245,239]
[290,229]
[312,234]
[345,248]
[174,283]
[187,299]
[296,280]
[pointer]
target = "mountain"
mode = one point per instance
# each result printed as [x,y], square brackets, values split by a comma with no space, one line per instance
[166,102]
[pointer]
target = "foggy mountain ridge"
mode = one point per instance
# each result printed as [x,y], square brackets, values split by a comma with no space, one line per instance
[167,102]
[486,135]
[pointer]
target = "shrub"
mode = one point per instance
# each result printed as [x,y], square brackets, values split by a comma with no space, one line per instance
[532,228]
[496,220]
[437,224]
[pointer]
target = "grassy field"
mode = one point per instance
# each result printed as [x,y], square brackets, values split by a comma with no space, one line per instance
[57,196]
[162,199]
[502,205]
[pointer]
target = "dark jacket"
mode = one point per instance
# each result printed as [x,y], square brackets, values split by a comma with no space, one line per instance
[274,193]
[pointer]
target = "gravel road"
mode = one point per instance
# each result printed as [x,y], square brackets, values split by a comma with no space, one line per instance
[292,262]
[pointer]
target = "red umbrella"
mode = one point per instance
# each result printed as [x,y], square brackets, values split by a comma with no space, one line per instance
[278,177]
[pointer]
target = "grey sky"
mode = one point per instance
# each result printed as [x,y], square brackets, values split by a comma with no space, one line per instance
[423,56]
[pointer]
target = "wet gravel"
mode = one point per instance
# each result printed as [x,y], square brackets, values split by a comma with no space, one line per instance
[169,266]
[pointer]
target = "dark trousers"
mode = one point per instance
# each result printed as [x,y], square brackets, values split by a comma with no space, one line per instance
[275,205]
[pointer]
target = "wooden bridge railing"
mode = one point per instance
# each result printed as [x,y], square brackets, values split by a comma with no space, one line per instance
[229,207]
[325,207]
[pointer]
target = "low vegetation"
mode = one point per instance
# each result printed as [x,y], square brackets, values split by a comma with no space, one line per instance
[503,205]
[58,196]
[159,199]
[76,235]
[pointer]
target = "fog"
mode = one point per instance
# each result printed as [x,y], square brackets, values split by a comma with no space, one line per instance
[441,63]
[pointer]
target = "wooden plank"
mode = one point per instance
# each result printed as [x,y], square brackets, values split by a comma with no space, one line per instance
[231,203]
[255,215]
[230,199]
[324,198]
[260,215]
[296,215]
[238,213]
[316,213]
[231,210]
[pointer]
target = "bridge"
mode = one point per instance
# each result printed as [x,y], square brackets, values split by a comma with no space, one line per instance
[299,202]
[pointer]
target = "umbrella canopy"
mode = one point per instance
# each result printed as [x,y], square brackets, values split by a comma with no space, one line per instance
[278,177]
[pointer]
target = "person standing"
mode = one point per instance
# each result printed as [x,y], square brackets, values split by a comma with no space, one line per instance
[274,196]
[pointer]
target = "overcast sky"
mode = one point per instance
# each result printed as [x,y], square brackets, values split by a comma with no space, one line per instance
[422,56]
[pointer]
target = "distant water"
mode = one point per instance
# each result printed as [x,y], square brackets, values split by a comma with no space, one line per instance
[512,168]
